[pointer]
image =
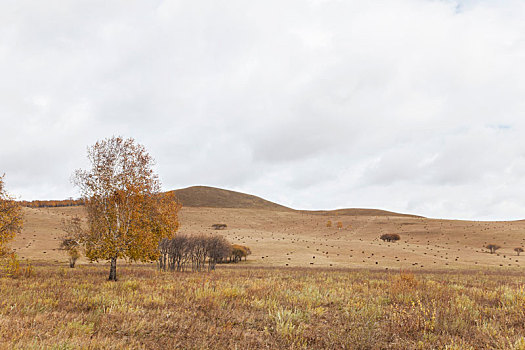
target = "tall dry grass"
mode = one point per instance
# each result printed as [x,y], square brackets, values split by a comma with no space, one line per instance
[247,308]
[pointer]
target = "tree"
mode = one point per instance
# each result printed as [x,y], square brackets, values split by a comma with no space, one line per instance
[219,226]
[492,247]
[339,225]
[70,242]
[10,218]
[218,248]
[239,251]
[329,223]
[127,214]
[518,250]
[390,237]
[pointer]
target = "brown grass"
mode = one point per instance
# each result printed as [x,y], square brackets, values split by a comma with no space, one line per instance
[254,308]
[277,238]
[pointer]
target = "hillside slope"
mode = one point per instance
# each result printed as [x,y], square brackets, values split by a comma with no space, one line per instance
[359,212]
[212,197]
[302,239]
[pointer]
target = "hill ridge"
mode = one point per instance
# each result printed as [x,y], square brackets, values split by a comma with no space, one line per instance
[214,197]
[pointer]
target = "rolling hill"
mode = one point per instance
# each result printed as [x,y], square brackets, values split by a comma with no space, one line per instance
[212,197]
[281,236]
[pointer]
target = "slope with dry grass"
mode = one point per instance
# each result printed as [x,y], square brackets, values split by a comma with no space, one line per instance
[301,239]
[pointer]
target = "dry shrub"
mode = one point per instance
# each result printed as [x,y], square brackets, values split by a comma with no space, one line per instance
[10,267]
[390,237]
[403,283]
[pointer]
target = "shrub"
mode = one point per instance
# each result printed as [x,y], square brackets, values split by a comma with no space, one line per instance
[390,237]
[10,266]
[70,242]
[179,252]
[492,247]
[238,252]
[219,226]
[329,223]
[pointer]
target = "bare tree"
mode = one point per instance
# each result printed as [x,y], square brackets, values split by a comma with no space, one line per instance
[218,250]
[178,252]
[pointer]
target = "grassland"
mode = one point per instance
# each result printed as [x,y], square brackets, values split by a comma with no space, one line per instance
[242,307]
[299,239]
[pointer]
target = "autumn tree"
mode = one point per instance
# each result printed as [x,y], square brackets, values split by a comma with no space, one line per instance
[329,223]
[127,215]
[70,242]
[239,251]
[518,250]
[10,218]
[492,247]
[339,225]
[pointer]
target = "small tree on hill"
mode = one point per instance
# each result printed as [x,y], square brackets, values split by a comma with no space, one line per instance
[70,242]
[239,251]
[329,223]
[10,218]
[219,226]
[492,247]
[390,237]
[127,213]
[339,225]
[518,250]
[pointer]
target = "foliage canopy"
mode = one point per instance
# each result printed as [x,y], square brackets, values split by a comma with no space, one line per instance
[127,215]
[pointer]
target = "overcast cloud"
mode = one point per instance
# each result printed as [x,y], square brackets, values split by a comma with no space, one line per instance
[407,105]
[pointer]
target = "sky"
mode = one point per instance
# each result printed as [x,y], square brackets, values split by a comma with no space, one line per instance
[415,106]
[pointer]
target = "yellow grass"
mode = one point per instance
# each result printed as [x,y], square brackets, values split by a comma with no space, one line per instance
[240,307]
[302,239]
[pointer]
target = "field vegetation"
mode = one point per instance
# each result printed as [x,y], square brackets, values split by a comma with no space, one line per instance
[251,308]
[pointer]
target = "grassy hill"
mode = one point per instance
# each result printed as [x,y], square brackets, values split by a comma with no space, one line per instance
[212,197]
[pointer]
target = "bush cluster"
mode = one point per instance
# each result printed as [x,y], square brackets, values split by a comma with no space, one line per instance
[183,252]
[390,237]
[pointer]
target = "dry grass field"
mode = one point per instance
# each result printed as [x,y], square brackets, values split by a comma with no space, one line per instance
[301,239]
[240,307]
[306,285]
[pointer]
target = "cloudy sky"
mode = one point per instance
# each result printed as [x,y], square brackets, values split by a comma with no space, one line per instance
[415,106]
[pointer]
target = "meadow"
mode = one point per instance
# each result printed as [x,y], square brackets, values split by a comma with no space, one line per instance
[250,307]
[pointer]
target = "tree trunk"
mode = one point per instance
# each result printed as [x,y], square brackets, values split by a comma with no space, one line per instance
[113,270]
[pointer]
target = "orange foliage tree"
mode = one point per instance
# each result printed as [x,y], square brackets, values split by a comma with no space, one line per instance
[10,218]
[127,213]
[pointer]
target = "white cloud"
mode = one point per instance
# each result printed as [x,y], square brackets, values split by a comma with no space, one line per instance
[408,105]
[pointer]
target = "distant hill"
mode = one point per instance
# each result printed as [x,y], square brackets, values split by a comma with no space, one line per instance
[204,196]
[212,197]
[359,212]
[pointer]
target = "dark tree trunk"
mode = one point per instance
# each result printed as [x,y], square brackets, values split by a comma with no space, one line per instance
[113,270]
